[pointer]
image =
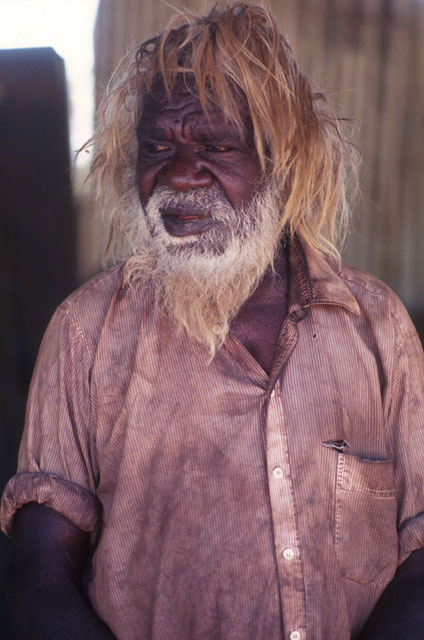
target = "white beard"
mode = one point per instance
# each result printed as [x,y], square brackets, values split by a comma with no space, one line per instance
[201,281]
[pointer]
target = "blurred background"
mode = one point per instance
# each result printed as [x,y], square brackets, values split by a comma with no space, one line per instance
[56,57]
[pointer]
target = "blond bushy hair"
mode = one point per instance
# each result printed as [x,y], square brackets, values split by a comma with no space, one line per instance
[236,57]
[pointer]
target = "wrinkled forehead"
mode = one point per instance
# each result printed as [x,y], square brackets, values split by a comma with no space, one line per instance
[184,94]
[183,87]
[160,102]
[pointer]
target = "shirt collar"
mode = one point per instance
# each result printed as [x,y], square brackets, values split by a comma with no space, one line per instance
[314,280]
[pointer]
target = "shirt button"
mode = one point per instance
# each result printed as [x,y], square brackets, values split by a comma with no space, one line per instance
[277,472]
[295,635]
[288,554]
[217,329]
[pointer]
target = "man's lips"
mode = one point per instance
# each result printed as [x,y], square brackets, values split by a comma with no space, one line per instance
[184,223]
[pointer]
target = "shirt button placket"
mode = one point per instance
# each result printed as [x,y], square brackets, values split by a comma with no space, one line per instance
[283,513]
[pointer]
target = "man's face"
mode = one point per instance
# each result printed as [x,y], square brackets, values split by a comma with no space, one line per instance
[208,225]
[181,150]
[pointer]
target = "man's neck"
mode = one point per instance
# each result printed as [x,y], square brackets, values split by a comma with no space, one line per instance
[258,323]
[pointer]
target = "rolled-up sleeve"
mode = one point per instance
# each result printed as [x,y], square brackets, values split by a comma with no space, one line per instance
[407,426]
[57,465]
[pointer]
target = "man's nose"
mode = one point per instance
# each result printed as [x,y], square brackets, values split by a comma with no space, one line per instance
[184,172]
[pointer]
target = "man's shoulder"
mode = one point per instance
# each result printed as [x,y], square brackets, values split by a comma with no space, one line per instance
[364,294]
[351,287]
[96,294]
[87,309]
[370,290]
[365,281]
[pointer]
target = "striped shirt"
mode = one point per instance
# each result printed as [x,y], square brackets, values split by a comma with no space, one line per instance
[226,504]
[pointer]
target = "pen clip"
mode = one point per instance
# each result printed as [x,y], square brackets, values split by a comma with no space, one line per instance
[338,445]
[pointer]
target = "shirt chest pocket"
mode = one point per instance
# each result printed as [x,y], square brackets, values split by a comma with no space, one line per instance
[366,539]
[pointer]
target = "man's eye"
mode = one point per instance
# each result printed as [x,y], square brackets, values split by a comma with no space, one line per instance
[217,148]
[155,147]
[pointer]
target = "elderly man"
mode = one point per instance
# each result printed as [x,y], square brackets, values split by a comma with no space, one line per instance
[225,431]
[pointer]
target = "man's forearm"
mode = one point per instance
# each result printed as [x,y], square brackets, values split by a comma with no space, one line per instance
[45,597]
[53,612]
[400,611]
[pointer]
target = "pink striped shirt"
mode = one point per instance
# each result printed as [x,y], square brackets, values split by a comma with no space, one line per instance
[226,504]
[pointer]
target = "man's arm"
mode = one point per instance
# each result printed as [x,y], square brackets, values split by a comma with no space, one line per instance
[44,594]
[400,611]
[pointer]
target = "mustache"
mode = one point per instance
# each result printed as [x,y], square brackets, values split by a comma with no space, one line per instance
[207,201]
